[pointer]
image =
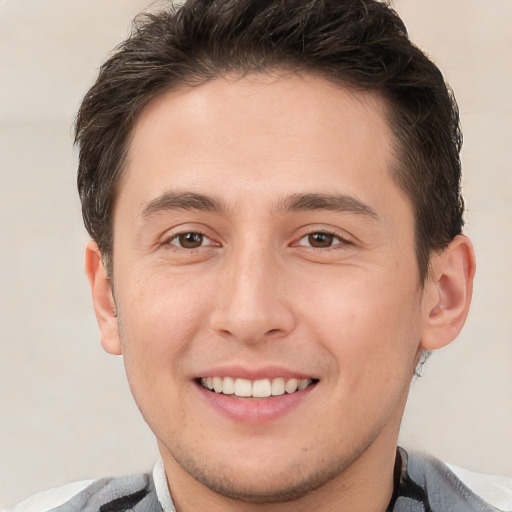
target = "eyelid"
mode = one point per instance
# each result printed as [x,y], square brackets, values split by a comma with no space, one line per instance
[171,239]
[343,237]
[336,241]
[174,233]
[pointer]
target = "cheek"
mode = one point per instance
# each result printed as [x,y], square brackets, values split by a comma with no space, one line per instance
[370,326]
[157,324]
[160,317]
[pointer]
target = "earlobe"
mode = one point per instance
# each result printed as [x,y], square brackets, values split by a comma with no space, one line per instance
[102,299]
[448,293]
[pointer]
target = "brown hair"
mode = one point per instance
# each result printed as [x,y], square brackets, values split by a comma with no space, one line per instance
[355,43]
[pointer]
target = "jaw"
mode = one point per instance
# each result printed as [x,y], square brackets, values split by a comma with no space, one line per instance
[283,465]
[264,473]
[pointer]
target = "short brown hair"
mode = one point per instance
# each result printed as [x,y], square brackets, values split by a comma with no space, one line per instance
[356,43]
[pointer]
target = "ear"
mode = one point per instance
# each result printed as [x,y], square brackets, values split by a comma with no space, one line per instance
[448,293]
[102,299]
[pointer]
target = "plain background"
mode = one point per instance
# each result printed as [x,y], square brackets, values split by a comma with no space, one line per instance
[65,408]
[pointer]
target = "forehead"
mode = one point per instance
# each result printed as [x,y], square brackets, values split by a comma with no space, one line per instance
[266,134]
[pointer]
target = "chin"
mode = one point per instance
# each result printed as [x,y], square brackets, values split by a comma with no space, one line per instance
[265,481]
[271,489]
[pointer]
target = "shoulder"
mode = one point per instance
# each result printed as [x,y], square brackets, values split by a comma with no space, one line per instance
[448,487]
[135,492]
[51,498]
[494,489]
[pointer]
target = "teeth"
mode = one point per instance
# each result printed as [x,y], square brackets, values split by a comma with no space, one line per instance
[228,386]
[262,388]
[303,384]
[243,387]
[278,387]
[217,384]
[291,385]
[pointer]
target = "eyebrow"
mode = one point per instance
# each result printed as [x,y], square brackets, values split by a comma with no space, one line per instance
[333,202]
[182,200]
[171,200]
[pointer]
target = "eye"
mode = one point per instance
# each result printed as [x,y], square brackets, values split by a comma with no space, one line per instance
[189,240]
[321,240]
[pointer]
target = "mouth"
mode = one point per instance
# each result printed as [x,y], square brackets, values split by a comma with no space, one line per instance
[261,388]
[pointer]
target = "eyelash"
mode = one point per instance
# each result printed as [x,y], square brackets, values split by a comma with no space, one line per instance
[336,240]
[177,236]
[336,237]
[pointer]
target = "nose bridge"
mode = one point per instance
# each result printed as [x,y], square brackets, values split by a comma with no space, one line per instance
[251,302]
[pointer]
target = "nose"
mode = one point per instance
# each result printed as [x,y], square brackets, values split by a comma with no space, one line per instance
[251,303]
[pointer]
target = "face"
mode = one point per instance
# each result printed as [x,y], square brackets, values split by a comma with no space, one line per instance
[262,249]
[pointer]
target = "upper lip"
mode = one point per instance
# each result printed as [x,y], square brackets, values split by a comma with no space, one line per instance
[265,372]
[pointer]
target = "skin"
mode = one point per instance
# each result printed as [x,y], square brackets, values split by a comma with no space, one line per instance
[259,291]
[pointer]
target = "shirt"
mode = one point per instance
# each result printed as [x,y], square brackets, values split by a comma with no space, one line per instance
[423,484]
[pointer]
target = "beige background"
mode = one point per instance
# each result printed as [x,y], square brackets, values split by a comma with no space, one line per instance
[65,408]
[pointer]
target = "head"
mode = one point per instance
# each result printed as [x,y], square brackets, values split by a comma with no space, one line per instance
[358,44]
[273,192]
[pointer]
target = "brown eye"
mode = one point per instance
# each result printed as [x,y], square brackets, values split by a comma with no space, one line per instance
[320,240]
[190,240]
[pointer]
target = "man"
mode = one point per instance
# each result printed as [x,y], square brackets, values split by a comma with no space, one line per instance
[272,189]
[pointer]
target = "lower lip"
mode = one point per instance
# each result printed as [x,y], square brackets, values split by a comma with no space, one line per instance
[255,411]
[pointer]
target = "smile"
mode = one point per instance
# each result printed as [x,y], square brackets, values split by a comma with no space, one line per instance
[261,388]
